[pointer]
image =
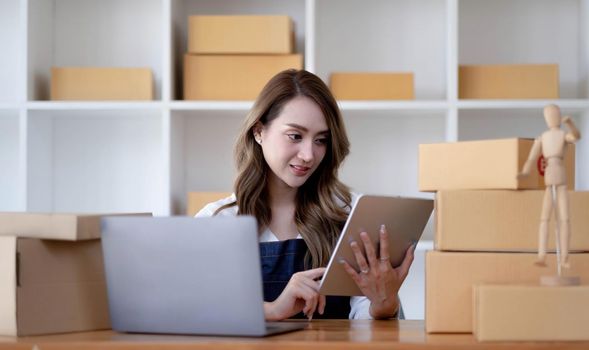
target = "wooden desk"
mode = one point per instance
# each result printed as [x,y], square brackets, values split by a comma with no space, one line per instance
[320,334]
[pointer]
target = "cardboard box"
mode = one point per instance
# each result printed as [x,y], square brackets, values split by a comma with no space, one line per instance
[97,84]
[503,221]
[71,227]
[240,35]
[531,313]
[197,200]
[484,164]
[372,86]
[51,286]
[450,277]
[514,81]
[224,77]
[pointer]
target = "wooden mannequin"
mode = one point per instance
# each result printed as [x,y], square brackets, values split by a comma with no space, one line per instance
[552,145]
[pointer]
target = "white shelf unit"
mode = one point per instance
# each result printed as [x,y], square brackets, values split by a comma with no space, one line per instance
[145,156]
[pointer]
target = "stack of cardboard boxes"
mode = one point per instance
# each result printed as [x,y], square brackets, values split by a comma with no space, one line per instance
[486,227]
[233,57]
[51,274]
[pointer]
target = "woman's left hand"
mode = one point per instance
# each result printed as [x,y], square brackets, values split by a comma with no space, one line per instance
[377,279]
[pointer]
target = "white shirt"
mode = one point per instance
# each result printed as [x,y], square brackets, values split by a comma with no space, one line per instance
[359,305]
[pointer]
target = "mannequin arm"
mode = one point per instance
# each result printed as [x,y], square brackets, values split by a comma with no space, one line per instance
[573,135]
[534,154]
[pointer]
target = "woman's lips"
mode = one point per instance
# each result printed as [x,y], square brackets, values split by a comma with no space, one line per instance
[300,170]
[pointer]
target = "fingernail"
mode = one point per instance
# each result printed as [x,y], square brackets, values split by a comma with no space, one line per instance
[382,228]
[341,261]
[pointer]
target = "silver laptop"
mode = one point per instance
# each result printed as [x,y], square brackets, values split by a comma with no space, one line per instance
[184,275]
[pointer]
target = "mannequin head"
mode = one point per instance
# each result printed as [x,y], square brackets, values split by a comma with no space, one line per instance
[552,116]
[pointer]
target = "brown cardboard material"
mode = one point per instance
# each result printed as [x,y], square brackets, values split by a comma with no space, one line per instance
[450,277]
[61,226]
[502,220]
[226,77]
[513,81]
[240,35]
[531,313]
[51,286]
[197,200]
[483,164]
[372,86]
[96,84]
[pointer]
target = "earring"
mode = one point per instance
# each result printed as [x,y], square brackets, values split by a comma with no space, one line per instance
[258,140]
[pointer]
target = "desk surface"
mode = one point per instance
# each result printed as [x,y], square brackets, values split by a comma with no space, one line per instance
[319,334]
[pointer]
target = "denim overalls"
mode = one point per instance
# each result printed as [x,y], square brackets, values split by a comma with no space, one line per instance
[280,260]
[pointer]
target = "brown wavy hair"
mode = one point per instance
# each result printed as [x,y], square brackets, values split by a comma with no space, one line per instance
[323,202]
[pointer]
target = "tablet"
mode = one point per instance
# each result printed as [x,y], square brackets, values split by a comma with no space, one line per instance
[405,219]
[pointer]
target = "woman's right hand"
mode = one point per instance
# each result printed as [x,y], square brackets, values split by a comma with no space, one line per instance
[300,294]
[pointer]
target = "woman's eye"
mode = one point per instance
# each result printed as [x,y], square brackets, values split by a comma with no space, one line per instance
[321,141]
[294,137]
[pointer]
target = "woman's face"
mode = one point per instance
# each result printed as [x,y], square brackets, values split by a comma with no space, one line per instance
[295,142]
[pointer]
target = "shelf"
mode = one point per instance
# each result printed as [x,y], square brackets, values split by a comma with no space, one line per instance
[92,106]
[571,104]
[344,105]
[393,105]
[211,105]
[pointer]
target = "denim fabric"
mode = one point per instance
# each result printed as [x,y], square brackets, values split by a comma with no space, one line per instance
[280,260]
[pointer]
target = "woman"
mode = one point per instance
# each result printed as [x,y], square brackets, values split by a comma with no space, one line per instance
[288,155]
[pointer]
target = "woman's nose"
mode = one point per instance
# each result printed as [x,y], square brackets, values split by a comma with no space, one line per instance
[306,151]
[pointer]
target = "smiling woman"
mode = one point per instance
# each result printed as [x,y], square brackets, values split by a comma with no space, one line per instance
[288,154]
[294,143]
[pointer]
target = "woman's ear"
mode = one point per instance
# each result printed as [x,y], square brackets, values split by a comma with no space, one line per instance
[257,131]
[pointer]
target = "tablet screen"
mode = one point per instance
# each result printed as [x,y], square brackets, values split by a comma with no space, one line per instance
[405,220]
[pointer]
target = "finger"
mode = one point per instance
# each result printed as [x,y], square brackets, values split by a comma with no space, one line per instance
[359,257]
[322,302]
[310,298]
[314,273]
[369,248]
[314,285]
[403,269]
[384,245]
[350,270]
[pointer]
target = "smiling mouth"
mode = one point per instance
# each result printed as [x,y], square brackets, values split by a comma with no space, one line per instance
[300,170]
